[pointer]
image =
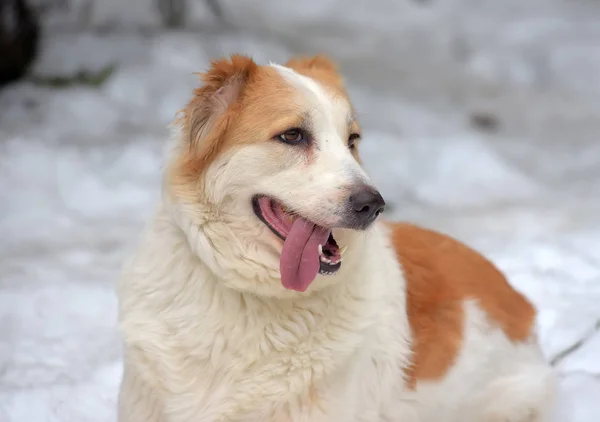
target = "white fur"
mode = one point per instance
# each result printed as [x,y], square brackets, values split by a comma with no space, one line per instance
[211,335]
[492,379]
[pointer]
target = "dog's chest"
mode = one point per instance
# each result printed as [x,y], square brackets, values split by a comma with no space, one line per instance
[300,378]
[290,388]
[293,369]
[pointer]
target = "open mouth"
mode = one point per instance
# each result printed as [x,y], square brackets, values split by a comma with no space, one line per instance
[308,248]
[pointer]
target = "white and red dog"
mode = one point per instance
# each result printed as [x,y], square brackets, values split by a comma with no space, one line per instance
[264,289]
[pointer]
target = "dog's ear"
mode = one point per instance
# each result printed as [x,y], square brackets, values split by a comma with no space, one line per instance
[206,118]
[318,67]
[316,62]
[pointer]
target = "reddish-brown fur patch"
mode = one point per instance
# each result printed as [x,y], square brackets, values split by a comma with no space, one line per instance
[321,69]
[441,274]
[239,103]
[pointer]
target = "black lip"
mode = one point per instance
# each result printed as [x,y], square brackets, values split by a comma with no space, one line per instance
[324,268]
[258,212]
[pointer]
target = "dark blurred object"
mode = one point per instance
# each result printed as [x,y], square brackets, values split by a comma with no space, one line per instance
[216,9]
[19,38]
[83,77]
[173,12]
[484,121]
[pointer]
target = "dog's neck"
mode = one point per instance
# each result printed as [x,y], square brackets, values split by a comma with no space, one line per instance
[193,279]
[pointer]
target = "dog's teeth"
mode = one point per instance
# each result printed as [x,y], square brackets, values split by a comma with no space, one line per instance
[325,260]
[342,250]
[320,247]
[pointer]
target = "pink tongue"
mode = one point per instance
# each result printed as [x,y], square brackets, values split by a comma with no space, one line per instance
[300,262]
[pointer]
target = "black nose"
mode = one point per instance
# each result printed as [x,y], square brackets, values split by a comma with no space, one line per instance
[366,205]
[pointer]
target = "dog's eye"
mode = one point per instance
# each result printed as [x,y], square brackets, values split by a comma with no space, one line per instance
[351,139]
[292,136]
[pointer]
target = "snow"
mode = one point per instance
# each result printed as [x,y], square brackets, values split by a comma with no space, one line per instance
[80,168]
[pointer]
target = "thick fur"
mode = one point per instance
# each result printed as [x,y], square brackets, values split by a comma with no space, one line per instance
[210,333]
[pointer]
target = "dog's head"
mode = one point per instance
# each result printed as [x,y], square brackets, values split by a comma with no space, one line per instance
[265,170]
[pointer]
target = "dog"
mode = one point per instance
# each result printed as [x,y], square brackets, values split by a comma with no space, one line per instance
[267,288]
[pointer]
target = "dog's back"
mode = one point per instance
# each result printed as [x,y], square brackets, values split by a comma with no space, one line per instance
[473,335]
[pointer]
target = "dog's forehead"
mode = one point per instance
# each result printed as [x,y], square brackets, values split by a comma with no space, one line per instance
[324,106]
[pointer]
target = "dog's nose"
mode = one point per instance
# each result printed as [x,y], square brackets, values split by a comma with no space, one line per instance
[367,204]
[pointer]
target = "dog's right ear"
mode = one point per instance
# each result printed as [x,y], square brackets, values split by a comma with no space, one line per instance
[206,117]
[319,67]
[315,62]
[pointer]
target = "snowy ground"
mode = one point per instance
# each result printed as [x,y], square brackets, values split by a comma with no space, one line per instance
[79,172]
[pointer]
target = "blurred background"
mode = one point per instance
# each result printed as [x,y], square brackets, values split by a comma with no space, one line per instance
[481,119]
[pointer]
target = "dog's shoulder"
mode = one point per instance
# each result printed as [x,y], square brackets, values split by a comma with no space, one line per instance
[442,274]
